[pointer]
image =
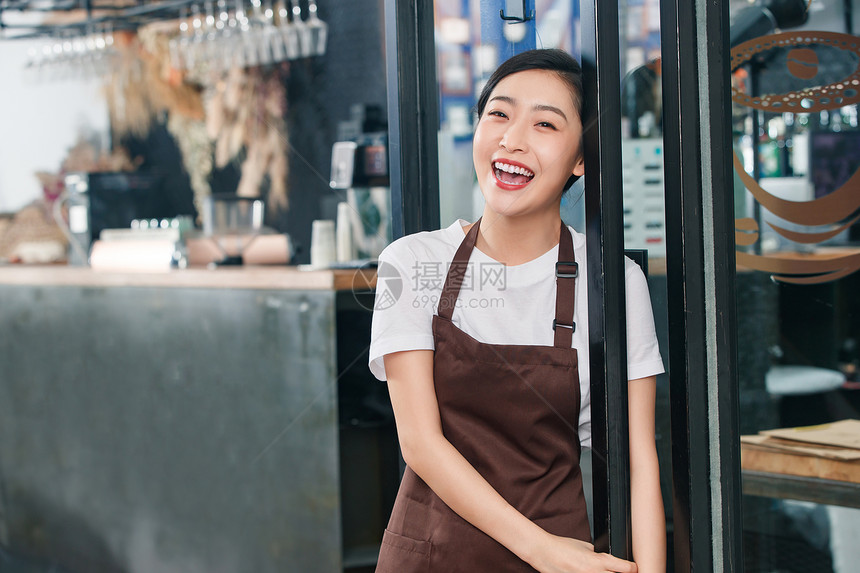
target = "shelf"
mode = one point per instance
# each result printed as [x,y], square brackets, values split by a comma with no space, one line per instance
[817,490]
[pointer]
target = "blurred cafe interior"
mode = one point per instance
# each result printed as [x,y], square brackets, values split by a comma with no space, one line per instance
[193,195]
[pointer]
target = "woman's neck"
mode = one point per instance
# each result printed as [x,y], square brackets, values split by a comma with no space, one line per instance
[517,240]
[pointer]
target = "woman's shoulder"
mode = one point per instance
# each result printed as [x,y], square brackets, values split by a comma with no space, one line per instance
[425,246]
[578,238]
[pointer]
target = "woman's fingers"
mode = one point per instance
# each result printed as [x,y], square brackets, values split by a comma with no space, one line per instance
[567,555]
[616,565]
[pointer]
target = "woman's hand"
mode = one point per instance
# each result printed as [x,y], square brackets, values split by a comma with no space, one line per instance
[565,555]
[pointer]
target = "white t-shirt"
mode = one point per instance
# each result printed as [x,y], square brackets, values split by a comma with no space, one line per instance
[497,304]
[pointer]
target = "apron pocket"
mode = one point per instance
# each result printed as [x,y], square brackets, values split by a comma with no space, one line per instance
[401,554]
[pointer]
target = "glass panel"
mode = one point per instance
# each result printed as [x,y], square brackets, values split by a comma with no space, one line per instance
[797,192]
[643,194]
[472,40]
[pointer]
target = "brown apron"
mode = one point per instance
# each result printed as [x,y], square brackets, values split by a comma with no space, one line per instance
[513,412]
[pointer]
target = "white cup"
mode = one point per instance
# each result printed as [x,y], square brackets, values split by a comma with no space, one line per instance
[345,250]
[323,246]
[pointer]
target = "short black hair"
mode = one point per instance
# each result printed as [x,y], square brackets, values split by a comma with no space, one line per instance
[553,60]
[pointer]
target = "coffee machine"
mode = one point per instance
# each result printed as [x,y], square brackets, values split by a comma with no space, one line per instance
[359,165]
[92,202]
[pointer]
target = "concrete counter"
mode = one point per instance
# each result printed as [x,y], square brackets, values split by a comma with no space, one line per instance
[146,427]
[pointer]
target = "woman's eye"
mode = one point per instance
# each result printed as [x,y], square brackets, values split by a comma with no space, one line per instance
[546,124]
[497,113]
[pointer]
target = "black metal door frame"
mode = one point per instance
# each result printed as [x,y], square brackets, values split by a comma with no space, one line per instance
[700,261]
[700,255]
[413,116]
[606,292]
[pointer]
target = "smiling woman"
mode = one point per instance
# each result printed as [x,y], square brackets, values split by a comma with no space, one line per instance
[492,400]
[528,136]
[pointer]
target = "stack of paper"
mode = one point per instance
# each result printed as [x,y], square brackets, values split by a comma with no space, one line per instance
[828,451]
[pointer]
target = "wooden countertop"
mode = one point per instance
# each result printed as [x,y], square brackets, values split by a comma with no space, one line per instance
[813,463]
[247,277]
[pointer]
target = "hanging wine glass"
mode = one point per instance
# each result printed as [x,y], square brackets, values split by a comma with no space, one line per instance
[208,40]
[304,32]
[318,30]
[249,52]
[273,38]
[285,29]
[296,30]
[197,47]
[258,34]
[65,56]
[174,46]
[225,38]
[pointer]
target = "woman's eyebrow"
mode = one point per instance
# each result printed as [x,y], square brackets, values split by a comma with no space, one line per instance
[536,107]
[550,108]
[505,99]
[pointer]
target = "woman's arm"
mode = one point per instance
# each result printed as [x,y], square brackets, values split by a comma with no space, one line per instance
[432,457]
[648,517]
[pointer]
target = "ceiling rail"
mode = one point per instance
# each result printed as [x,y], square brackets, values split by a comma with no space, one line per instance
[123,16]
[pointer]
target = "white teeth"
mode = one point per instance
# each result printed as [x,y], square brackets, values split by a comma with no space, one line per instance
[512,169]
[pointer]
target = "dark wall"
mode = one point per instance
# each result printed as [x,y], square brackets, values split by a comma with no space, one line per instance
[320,93]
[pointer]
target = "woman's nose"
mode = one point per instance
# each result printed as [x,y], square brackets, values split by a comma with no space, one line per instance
[514,138]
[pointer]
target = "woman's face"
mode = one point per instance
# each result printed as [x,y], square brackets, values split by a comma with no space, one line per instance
[527,143]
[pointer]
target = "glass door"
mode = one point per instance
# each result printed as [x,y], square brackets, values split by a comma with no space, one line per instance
[470,39]
[796,139]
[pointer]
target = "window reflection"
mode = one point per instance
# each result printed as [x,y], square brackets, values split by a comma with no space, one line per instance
[797,201]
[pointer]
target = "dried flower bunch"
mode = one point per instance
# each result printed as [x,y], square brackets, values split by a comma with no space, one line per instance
[246,110]
[243,115]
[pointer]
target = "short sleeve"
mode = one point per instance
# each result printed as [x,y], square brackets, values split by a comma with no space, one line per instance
[643,351]
[402,317]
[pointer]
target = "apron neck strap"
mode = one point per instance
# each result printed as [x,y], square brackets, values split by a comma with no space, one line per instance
[566,271]
[456,273]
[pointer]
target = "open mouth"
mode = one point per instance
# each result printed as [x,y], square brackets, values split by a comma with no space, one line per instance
[513,175]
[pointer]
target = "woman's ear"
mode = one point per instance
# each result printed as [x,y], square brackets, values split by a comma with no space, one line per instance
[579,168]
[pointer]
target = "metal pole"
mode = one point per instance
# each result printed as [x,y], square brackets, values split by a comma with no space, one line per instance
[700,282]
[413,115]
[606,296]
